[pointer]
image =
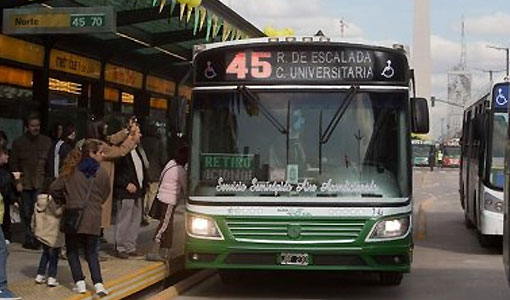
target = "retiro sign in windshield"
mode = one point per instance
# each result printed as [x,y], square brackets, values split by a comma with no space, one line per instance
[301,63]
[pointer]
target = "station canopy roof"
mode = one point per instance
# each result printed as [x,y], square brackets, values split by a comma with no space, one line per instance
[151,35]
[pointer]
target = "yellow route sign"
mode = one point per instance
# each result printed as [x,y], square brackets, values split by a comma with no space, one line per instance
[59,20]
[38,21]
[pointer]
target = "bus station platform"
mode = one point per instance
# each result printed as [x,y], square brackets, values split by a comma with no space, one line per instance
[122,277]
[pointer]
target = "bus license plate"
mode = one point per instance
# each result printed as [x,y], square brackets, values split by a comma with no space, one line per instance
[295,259]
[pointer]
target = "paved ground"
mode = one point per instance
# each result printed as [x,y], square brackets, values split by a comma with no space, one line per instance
[448,261]
[22,263]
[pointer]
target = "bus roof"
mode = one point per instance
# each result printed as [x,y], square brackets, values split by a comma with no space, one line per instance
[293,39]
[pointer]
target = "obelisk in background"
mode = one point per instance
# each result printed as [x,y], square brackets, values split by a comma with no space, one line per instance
[420,52]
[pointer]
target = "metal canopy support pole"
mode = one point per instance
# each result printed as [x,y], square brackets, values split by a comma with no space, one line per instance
[41,85]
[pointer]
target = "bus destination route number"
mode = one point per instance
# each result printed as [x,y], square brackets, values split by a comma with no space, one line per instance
[302,65]
[319,64]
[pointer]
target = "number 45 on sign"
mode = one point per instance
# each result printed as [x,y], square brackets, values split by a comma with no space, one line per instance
[257,67]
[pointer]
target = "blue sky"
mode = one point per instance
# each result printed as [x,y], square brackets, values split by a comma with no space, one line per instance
[487,22]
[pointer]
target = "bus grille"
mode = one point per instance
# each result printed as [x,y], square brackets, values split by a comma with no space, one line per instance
[295,231]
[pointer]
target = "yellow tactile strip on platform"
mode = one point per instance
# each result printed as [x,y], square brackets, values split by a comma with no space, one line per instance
[122,278]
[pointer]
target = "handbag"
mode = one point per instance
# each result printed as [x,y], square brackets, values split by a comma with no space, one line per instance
[72,216]
[157,206]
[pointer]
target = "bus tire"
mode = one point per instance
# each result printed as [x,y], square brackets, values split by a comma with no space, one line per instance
[229,277]
[467,221]
[391,278]
[488,241]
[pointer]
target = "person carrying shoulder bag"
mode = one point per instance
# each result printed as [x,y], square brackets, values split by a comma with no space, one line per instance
[85,186]
[171,188]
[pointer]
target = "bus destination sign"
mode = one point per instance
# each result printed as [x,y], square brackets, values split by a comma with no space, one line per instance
[500,95]
[59,20]
[305,64]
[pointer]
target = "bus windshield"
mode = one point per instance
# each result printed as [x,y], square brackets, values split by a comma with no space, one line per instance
[421,150]
[278,144]
[497,157]
[453,152]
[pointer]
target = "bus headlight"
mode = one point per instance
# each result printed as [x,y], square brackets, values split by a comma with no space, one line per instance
[202,227]
[393,228]
[492,203]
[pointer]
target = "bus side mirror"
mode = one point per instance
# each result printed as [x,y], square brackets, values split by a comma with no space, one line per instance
[419,115]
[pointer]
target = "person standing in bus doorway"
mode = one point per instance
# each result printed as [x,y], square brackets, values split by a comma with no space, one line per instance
[432,158]
[129,189]
[172,187]
[28,156]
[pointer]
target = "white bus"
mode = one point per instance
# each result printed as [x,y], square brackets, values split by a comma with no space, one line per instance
[482,162]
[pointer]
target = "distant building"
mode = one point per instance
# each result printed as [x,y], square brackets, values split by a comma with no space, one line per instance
[459,92]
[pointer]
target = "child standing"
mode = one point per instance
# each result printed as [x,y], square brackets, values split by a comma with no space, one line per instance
[45,225]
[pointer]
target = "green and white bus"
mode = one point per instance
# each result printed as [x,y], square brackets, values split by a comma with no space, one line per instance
[301,157]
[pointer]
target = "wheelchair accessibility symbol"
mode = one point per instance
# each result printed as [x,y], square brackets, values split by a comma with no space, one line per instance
[209,71]
[500,98]
[388,71]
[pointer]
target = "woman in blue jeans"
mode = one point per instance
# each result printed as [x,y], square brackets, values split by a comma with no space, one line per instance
[83,184]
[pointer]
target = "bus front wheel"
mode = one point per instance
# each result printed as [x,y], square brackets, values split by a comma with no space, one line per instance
[391,278]
[467,221]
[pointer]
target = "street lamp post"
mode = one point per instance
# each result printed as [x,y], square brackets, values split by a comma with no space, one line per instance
[507,50]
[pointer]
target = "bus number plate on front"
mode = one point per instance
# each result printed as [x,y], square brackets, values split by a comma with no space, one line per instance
[294,259]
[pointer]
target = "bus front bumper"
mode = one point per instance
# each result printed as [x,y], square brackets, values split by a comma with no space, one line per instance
[379,256]
[491,223]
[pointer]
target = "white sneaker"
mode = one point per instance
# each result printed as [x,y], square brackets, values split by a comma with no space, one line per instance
[7,242]
[52,282]
[40,279]
[80,287]
[101,291]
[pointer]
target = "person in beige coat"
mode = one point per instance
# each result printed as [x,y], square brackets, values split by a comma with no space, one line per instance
[114,146]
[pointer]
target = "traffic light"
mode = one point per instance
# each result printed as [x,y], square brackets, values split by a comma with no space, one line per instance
[432,101]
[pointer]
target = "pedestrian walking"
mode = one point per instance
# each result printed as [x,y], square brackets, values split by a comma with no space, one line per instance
[432,158]
[83,185]
[129,189]
[28,156]
[172,187]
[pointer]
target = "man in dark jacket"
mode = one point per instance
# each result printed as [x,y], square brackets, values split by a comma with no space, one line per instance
[129,189]
[28,156]
[156,154]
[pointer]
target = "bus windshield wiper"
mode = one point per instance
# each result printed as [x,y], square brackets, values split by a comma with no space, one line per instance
[254,99]
[324,138]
